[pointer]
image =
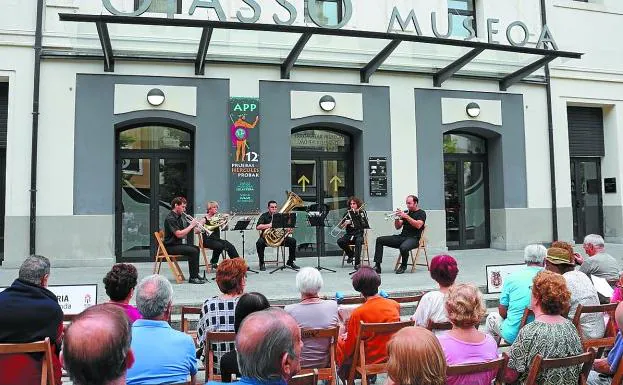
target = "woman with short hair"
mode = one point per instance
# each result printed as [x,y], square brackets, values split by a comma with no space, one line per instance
[464,344]
[550,334]
[217,313]
[314,313]
[443,269]
[120,282]
[415,358]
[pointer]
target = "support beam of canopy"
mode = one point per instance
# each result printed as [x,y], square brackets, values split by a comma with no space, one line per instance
[521,73]
[204,43]
[109,57]
[452,68]
[378,60]
[287,65]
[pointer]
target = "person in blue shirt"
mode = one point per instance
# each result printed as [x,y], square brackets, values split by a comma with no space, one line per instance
[269,348]
[604,368]
[515,296]
[162,355]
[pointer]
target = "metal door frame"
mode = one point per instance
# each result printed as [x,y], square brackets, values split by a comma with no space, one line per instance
[575,198]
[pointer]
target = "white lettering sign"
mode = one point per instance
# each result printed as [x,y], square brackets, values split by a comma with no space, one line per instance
[73,299]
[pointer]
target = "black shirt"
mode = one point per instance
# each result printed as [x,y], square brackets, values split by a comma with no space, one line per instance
[410,231]
[351,230]
[172,223]
[264,219]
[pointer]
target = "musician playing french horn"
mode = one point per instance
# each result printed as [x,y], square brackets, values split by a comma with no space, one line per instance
[214,241]
[353,236]
[264,222]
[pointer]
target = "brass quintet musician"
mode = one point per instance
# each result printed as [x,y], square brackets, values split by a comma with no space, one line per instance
[412,224]
[353,236]
[264,223]
[176,228]
[214,241]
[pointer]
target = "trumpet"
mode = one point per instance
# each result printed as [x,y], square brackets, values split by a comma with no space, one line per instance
[393,215]
[189,218]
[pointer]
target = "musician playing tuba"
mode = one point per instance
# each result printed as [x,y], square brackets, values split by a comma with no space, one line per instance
[214,241]
[264,222]
[353,236]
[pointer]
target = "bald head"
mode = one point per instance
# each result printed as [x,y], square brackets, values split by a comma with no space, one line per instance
[96,345]
[269,345]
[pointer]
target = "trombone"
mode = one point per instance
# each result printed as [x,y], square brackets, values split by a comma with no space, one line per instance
[339,227]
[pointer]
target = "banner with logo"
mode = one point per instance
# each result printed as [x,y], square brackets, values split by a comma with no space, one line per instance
[497,273]
[244,154]
[73,299]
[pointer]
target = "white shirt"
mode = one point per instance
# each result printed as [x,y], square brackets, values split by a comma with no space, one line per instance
[431,307]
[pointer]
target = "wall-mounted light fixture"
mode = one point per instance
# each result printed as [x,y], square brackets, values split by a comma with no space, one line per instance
[327,103]
[155,97]
[473,110]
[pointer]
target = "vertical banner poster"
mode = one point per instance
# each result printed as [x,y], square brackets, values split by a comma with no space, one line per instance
[244,154]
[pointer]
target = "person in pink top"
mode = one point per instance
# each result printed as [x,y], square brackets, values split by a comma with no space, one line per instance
[119,283]
[464,344]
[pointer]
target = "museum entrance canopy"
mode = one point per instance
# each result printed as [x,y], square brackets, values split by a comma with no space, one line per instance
[533,59]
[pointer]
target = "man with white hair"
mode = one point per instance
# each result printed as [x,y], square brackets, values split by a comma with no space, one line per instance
[515,295]
[163,355]
[314,313]
[598,263]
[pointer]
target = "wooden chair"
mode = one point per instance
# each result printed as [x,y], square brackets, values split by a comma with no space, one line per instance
[204,254]
[309,378]
[607,340]
[185,321]
[414,257]
[440,326]
[365,251]
[161,254]
[214,337]
[327,373]
[527,313]
[366,331]
[47,370]
[281,250]
[498,365]
[539,363]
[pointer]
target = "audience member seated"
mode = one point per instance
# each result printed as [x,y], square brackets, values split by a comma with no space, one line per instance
[120,282]
[269,348]
[415,357]
[96,347]
[375,309]
[617,296]
[604,368]
[247,304]
[163,355]
[30,313]
[599,262]
[315,313]
[550,335]
[515,295]
[444,270]
[464,344]
[560,260]
[217,313]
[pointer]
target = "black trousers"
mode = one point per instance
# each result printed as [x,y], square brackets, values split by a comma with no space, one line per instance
[192,253]
[404,244]
[352,239]
[289,242]
[218,245]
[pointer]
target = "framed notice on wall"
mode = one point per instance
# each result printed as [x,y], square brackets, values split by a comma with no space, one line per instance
[377,172]
[497,273]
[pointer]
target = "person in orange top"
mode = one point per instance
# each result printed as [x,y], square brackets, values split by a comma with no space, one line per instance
[375,309]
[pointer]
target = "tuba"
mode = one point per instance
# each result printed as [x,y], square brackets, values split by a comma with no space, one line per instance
[275,237]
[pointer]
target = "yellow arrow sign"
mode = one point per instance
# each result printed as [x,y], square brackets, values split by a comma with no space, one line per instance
[303,181]
[336,181]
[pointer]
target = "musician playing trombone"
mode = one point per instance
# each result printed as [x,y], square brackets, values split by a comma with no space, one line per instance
[214,241]
[353,236]
[176,228]
[412,224]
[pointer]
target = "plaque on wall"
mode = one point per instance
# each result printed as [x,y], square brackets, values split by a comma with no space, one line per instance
[377,171]
[610,185]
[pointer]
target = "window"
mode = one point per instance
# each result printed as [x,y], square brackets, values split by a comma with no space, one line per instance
[329,12]
[159,6]
[460,10]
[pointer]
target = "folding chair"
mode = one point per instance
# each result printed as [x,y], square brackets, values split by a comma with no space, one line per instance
[47,370]
[422,246]
[310,378]
[204,254]
[440,326]
[365,251]
[161,254]
[499,365]
[366,332]
[524,320]
[185,324]
[214,337]
[539,363]
[281,250]
[326,373]
[607,341]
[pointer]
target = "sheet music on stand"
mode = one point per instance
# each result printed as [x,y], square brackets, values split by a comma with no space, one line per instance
[359,221]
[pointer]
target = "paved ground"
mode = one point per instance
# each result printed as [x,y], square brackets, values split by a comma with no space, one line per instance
[281,285]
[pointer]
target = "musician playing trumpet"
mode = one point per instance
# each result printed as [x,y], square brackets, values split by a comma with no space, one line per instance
[412,224]
[214,241]
[353,235]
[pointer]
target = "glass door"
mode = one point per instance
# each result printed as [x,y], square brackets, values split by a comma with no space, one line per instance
[587,199]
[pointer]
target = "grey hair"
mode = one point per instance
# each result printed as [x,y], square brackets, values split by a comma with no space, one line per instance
[594,239]
[534,254]
[263,360]
[153,295]
[309,281]
[34,268]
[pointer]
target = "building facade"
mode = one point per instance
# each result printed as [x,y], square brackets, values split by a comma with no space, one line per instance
[247,123]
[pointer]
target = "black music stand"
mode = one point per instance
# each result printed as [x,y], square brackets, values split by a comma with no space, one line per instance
[284,221]
[359,222]
[243,225]
[317,220]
